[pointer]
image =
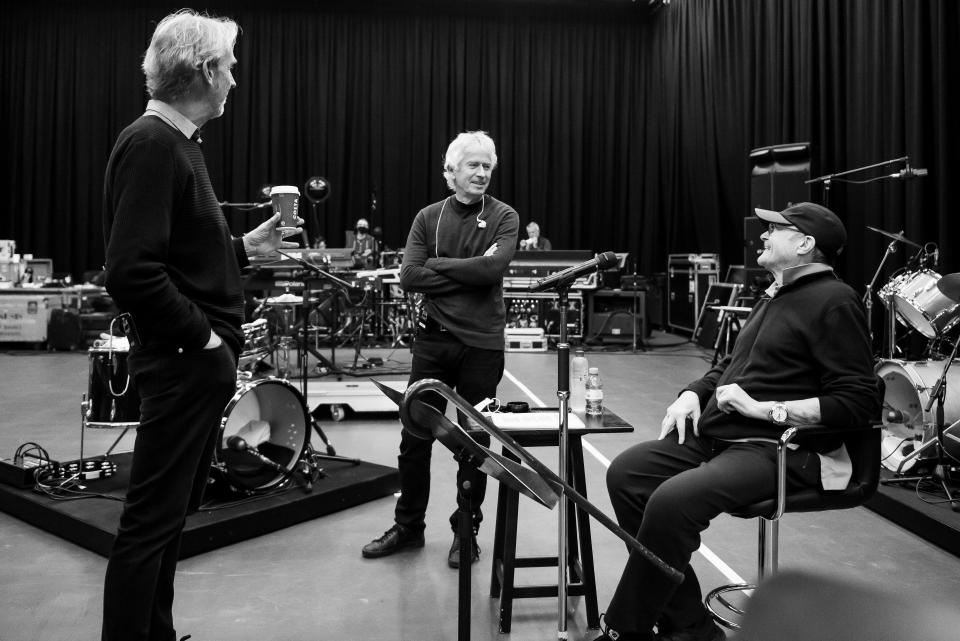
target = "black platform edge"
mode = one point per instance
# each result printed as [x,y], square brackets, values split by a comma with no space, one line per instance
[92,523]
[936,524]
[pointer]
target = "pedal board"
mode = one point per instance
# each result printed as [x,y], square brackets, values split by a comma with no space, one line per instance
[90,470]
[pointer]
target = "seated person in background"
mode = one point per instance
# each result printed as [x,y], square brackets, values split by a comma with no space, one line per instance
[802,356]
[534,240]
[364,252]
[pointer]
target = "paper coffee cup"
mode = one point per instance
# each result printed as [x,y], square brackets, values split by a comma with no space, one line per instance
[286,200]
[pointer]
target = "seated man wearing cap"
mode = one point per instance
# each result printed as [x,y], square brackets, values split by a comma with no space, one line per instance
[802,356]
[364,252]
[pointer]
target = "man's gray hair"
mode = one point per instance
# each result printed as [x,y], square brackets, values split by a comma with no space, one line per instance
[183,44]
[458,149]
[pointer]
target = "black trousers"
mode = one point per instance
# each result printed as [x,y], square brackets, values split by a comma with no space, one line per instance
[474,373]
[668,493]
[182,398]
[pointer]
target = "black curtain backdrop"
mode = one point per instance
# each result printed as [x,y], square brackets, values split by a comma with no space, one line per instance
[616,128]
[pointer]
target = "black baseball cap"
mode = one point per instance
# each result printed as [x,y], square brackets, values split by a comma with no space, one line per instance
[813,220]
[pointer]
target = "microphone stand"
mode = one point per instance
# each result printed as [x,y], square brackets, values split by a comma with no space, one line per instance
[306,349]
[563,396]
[827,179]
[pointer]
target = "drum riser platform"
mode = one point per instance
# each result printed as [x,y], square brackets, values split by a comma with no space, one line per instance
[937,524]
[92,523]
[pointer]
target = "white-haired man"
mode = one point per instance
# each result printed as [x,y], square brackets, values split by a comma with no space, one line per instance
[456,254]
[174,267]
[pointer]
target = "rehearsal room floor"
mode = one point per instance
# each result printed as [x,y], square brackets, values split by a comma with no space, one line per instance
[309,582]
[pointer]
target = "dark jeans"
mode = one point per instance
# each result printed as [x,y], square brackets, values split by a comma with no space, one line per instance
[474,373]
[182,398]
[668,493]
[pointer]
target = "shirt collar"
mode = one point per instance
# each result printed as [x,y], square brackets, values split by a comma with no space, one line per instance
[793,274]
[171,116]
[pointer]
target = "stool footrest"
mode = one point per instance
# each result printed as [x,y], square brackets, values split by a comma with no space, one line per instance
[718,595]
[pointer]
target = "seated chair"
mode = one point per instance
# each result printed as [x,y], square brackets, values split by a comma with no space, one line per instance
[863,446]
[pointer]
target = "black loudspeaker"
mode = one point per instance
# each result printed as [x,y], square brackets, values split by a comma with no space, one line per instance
[779,175]
[64,331]
[777,180]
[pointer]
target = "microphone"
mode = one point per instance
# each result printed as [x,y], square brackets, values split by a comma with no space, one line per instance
[895,416]
[237,444]
[909,172]
[570,274]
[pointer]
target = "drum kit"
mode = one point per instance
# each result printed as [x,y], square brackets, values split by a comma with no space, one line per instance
[916,406]
[264,432]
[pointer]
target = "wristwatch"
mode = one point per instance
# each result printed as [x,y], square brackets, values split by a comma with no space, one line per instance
[778,413]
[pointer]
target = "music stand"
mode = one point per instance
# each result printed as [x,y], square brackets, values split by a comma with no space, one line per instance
[536,481]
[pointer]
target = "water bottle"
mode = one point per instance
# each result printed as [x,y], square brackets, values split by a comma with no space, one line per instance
[594,393]
[578,381]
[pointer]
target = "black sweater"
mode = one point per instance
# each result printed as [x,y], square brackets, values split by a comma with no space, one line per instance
[444,259]
[810,340]
[170,258]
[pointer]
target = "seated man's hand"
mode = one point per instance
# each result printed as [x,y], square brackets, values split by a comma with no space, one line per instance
[686,406]
[491,250]
[732,398]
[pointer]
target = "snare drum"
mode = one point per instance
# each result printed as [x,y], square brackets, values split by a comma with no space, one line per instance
[920,304]
[272,419]
[112,399]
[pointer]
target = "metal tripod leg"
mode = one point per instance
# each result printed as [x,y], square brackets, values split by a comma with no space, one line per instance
[331,454]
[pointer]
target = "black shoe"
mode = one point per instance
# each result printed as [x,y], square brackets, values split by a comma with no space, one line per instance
[708,631]
[609,634]
[393,540]
[453,558]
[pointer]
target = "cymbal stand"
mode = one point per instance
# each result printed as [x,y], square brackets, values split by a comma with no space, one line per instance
[868,302]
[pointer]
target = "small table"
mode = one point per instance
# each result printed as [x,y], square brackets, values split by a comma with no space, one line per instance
[579,542]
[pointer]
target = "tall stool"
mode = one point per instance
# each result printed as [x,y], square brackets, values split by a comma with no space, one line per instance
[582,580]
[863,446]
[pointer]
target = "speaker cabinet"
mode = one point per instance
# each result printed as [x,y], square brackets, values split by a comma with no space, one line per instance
[779,174]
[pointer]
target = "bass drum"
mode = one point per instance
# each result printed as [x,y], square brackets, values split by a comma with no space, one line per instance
[271,418]
[906,422]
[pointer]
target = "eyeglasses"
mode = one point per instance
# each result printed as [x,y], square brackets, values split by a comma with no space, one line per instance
[772,227]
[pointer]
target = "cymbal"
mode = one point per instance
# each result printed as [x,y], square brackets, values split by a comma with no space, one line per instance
[949,286]
[899,237]
[285,299]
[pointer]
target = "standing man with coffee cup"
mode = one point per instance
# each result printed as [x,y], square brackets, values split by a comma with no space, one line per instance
[174,267]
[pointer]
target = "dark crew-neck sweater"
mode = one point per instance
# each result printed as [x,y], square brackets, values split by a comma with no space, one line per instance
[810,340]
[444,259]
[170,258]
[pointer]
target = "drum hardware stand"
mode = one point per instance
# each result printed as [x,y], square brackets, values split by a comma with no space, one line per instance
[868,302]
[329,364]
[938,395]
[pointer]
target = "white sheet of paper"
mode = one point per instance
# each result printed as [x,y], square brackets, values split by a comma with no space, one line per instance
[533,420]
